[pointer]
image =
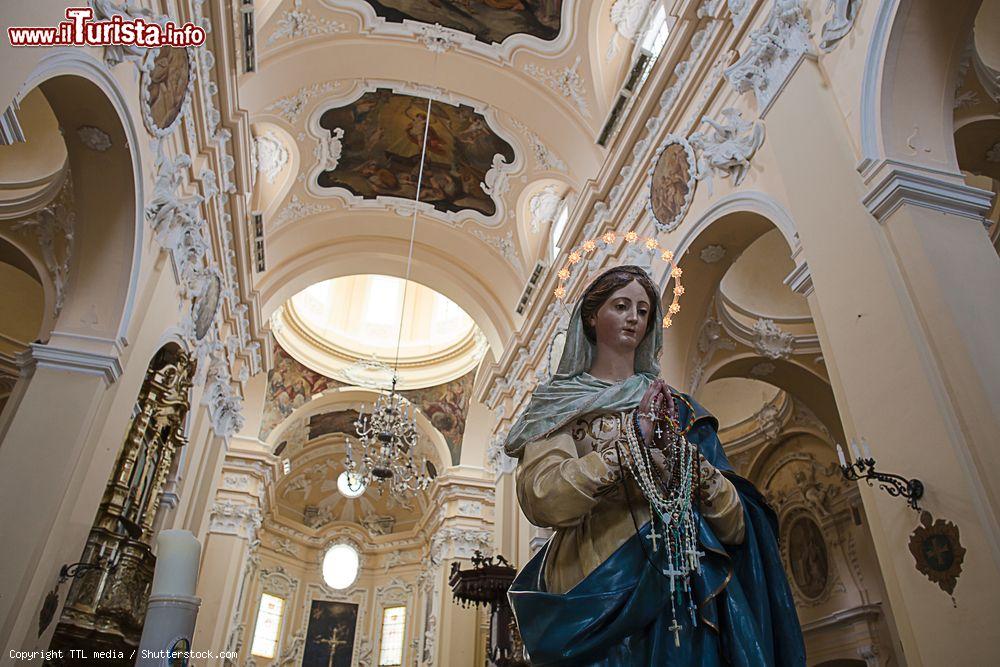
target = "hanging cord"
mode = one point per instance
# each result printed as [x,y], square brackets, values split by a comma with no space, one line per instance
[413,233]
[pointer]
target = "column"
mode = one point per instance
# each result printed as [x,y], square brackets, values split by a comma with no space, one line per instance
[904,303]
[229,558]
[52,473]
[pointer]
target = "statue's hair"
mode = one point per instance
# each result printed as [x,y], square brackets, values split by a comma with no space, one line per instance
[607,284]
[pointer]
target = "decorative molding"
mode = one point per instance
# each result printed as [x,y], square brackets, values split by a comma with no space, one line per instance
[711,338]
[128,11]
[566,81]
[712,253]
[329,149]
[728,149]
[844,13]
[74,361]
[893,184]
[497,460]
[292,106]
[799,279]
[738,10]
[993,154]
[11,131]
[774,53]
[54,229]
[94,138]
[544,157]
[495,183]
[544,207]
[271,155]
[298,22]
[505,245]
[232,518]
[628,17]
[278,582]
[770,341]
[437,38]
[225,405]
[296,209]
[459,542]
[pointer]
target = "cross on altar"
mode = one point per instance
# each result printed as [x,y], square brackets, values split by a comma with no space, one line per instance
[673,574]
[653,536]
[676,629]
[334,642]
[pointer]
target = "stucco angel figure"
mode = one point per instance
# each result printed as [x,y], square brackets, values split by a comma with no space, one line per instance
[729,147]
[597,593]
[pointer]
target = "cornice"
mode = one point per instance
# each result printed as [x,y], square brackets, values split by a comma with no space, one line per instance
[892,184]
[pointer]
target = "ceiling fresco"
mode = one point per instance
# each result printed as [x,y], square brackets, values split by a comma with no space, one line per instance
[489,20]
[382,136]
[290,385]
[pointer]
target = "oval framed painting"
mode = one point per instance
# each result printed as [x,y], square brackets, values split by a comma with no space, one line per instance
[808,560]
[167,82]
[672,181]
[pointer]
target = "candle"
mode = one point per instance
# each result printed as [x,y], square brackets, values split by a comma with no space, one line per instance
[840,455]
[854,449]
[867,449]
[177,557]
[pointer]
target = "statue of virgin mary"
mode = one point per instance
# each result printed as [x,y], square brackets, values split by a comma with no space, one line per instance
[602,591]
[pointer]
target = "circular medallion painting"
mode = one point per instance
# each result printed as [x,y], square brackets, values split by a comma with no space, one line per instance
[205,305]
[177,654]
[807,557]
[167,83]
[671,182]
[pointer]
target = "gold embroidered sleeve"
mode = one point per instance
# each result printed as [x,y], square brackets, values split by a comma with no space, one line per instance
[555,488]
[720,504]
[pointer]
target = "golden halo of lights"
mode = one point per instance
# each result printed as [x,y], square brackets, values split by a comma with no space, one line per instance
[609,237]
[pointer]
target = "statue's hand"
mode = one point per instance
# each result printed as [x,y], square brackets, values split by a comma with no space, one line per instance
[652,400]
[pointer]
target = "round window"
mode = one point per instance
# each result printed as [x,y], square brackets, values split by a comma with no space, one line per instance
[350,485]
[340,566]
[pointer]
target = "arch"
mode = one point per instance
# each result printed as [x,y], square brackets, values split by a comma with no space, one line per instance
[350,397]
[798,381]
[14,253]
[454,264]
[735,221]
[907,87]
[109,231]
[748,201]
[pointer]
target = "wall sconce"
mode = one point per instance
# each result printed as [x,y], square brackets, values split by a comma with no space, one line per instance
[74,570]
[863,467]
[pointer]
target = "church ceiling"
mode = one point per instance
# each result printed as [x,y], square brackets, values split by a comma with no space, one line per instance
[491,21]
[382,136]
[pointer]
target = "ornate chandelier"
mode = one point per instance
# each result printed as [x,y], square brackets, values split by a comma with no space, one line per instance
[388,435]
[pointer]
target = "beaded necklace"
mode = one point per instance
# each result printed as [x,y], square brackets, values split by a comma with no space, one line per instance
[671,501]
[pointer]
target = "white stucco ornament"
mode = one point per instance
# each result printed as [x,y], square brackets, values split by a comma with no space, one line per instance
[544,207]
[627,16]
[272,155]
[840,22]
[726,150]
[774,52]
[329,149]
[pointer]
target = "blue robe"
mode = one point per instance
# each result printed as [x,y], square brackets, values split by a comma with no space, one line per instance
[620,614]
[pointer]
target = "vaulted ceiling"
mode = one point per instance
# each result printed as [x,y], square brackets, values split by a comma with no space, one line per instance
[520,90]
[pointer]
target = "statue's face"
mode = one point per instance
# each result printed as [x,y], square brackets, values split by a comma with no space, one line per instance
[621,321]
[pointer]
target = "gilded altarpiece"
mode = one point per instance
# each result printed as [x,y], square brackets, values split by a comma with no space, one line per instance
[106,604]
